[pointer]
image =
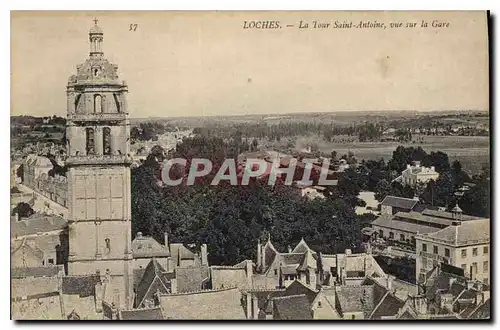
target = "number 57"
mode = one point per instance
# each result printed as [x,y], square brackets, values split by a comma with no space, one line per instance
[133,27]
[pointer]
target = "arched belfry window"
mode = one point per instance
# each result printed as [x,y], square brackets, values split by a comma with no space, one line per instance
[97,103]
[90,144]
[117,102]
[106,141]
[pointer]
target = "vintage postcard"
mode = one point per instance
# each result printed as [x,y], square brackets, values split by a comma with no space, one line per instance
[258,165]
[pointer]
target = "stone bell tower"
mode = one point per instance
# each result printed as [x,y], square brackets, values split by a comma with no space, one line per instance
[98,174]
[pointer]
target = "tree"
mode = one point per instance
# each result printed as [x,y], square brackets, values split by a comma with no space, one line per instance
[476,201]
[23,210]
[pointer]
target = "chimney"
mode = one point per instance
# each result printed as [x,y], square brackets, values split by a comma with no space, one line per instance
[249,272]
[165,235]
[204,255]
[138,235]
[451,281]
[348,252]
[389,280]
[259,251]
[170,266]
[173,285]
[408,166]
[289,249]
[433,168]
[470,284]
[263,255]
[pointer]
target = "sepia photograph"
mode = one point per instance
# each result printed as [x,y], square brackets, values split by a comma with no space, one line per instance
[250,165]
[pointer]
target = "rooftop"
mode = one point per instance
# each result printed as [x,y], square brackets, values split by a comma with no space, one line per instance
[400,202]
[391,222]
[37,223]
[465,233]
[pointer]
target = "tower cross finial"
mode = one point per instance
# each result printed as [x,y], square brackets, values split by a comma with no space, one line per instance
[95,21]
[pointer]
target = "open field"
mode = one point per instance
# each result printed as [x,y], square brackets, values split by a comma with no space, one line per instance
[472,151]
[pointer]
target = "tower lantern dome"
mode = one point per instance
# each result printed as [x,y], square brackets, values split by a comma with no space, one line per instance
[96,38]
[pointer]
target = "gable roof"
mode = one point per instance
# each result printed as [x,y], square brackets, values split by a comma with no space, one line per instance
[27,248]
[297,287]
[296,307]
[301,247]
[148,247]
[84,285]
[37,223]
[190,278]
[399,202]
[153,280]
[389,305]
[49,271]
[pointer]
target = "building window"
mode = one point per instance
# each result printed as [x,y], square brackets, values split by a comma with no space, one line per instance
[319,304]
[90,147]
[435,249]
[446,252]
[275,272]
[474,252]
[108,245]
[391,235]
[381,233]
[424,247]
[106,140]
[51,261]
[485,266]
[98,103]
[485,250]
[353,317]
[464,253]
[485,280]
[401,237]
[474,268]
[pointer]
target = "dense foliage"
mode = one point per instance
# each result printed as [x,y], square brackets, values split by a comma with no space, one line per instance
[230,219]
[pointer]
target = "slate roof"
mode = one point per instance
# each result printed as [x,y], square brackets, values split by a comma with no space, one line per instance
[448,215]
[48,271]
[224,304]
[389,305]
[152,281]
[190,278]
[37,224]
[355,298]
[179,251]
[142,314]
[148,247]
[84,286]
[28,248]
[399,202]
[296,307]
[301,247]
[391,222]
[297,287]
[469,232]
[482,312]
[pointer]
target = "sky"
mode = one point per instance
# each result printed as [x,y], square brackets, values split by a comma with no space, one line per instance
[206,63]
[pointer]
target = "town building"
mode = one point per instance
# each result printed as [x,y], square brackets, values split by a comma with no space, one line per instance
[415,174]
[464,244]
[402,219]
[392,204]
